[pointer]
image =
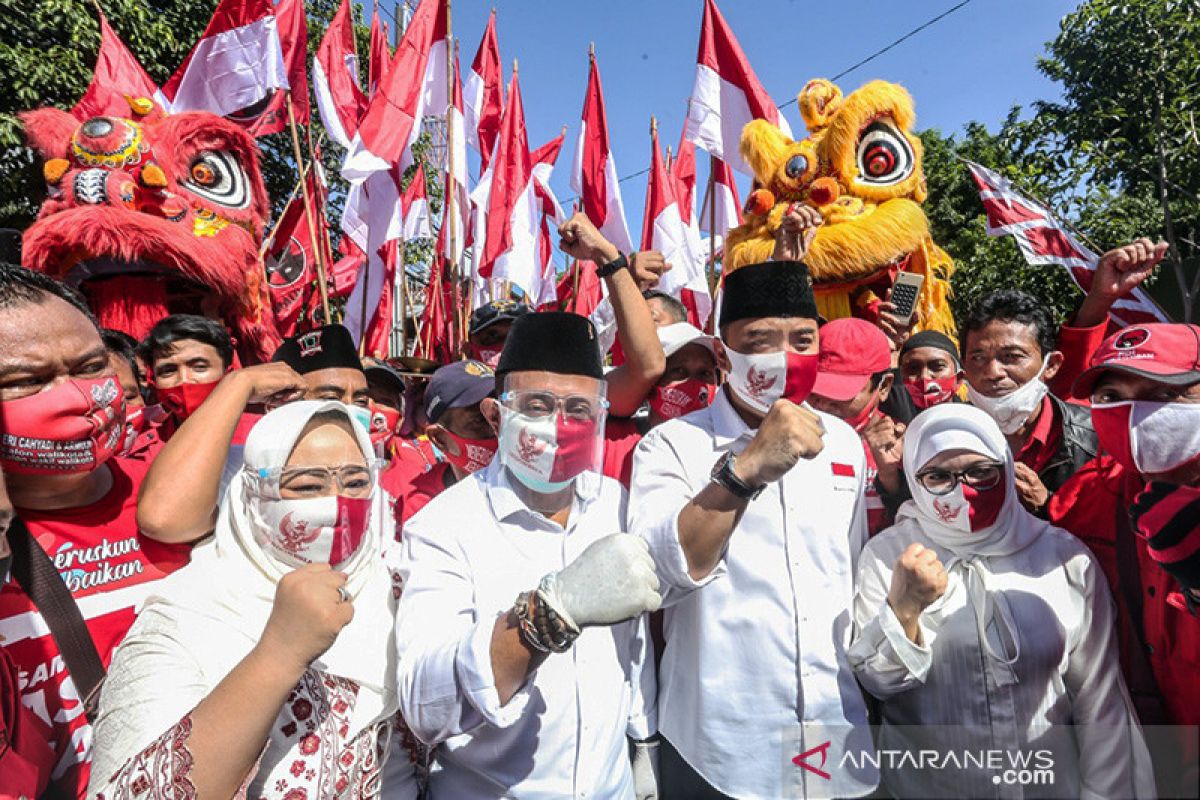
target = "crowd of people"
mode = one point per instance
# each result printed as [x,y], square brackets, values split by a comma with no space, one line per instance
[536,573]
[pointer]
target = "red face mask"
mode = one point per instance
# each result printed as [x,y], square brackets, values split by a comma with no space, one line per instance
[183,399]
[72,428]
[473,454]
[928,393]
[135,423]
[863,418]
[487,356]
[384,423]
[677,399]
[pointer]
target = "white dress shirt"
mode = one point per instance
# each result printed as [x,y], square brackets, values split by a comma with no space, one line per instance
[757,650]
[1066,668]
[464,559]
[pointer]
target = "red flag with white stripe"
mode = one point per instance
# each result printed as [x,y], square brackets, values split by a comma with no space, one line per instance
[454,162]
[484,90]
[290,262]
[728,211]
[683,173]
[663,230]
[118,75]
[551,214]
[726,94]
[510,248]
[594,175]
[237,63]
[380,54]
[1042,239]
[340,100]
[293,37]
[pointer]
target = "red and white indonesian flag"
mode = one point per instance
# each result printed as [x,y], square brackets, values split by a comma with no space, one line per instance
[454,162]
[415,205]
[594,175]
[552,216]
[414,86]
[510,250]
[340,100]
[728,211]
[484,95]
[726,94]
[237,62]
[1043,240]
[379,54]
[118,76]
[663,229]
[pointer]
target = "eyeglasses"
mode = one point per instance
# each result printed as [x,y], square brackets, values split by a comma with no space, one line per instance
[539,405]
[982,476]
[348,480]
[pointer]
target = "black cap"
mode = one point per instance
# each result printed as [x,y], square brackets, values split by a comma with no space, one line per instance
[381,374]
[458,385]
[770,289]
[934,339]
[552,341]
[489,314]
[330,347]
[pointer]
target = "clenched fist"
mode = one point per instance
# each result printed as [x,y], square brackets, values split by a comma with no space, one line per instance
[787,434]
[646,267]
[796,232]
[612,580]
[885,437]
[918,580]
[307,616]
[579,238]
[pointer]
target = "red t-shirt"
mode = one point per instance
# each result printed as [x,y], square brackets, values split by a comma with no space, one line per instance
[1087,506]
[26,756]
[415,493]
[109,569]
[1044,440]
[621,437]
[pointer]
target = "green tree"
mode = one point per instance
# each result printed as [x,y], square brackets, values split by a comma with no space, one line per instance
[1126,128]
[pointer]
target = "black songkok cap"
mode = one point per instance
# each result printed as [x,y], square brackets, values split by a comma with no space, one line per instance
[770,289]
[330,347]
[931,339]
[552,341]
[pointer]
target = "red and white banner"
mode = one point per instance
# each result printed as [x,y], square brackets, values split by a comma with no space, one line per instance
[454,162]
[1043,240]
[594,174]
[415,205]
[340,100]
[726,94]
[293,36]
[551,214]
[484,90]
[118,75]
[237,63]
[663,229]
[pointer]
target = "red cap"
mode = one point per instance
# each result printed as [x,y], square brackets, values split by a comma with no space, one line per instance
[1163,352]
[852,350]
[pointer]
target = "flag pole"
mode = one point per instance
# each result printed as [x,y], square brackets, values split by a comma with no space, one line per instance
[269,238]
[308,208]
[401,298]
[712,226]
[449,198]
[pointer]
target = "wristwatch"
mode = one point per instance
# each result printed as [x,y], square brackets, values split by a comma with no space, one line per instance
[724,476]
[613,267]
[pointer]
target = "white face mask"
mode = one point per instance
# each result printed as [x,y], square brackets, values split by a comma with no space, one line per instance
[315,530]
[760,379]
[1013,409]
[1154,437]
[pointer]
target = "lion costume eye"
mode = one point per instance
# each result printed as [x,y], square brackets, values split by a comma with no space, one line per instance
[216,175]
[796,167]
[884,155]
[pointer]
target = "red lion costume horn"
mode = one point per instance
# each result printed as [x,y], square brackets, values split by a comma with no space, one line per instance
[154,214]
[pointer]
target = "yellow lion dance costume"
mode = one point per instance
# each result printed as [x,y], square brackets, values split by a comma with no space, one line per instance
[861,168]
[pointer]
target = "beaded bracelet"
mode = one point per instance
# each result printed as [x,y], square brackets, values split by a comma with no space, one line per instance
[529,633]
[557,631]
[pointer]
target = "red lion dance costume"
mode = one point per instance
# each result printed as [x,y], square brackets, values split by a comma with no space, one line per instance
[153,214]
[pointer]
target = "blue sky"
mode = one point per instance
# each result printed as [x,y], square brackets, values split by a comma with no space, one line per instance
[973,65]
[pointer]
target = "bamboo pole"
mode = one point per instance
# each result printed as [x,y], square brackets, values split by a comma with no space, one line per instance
[712,227]
[318,257]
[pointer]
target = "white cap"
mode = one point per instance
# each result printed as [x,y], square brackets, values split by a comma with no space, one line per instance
[674,336]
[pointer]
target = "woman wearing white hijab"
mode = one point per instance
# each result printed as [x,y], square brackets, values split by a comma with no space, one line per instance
[971,612]
[266,667]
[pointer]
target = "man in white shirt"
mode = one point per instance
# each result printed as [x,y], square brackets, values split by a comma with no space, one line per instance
[753,510]
[532,698]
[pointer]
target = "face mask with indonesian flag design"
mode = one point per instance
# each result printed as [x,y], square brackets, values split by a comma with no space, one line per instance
[72,428]
[314,530]
[473,454]
[682,398]
[547,453]
[762,378]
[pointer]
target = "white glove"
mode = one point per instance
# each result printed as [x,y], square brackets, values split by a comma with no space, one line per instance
[645,770]
[612,580]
